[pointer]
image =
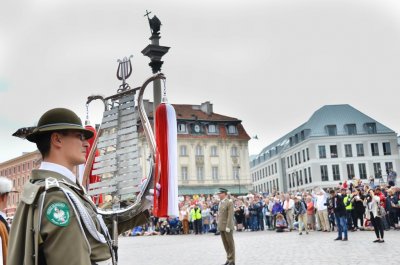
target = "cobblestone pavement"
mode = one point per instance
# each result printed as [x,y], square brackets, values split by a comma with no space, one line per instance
[264,247]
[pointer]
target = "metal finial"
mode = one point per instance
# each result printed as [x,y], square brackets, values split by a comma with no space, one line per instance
[123,72]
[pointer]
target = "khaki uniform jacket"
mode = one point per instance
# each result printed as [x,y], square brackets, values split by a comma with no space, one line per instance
[225,215]
[61,245]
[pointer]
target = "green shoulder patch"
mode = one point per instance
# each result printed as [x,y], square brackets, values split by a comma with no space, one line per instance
[58,213]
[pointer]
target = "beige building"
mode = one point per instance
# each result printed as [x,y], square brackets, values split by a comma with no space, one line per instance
[212,151]
[18,170]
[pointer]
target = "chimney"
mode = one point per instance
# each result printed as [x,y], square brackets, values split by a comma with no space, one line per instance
[207,107]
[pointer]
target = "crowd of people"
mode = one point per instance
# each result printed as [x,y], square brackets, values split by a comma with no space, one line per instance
[352,206]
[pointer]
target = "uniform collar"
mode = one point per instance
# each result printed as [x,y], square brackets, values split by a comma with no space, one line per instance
[58,169]
[43,174]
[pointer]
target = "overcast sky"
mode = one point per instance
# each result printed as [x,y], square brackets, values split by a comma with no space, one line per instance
[270,63]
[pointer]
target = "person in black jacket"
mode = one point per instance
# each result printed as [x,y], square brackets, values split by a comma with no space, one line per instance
[340,213]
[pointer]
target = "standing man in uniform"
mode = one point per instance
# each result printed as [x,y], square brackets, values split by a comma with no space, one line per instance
[5,188]
[225,225]
[56,223]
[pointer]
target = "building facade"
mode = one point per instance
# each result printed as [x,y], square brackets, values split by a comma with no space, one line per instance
[212,151]
[18,170]
[337,143]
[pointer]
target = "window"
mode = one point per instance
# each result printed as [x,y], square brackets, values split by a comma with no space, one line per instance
[290,181]
[196,128]
[276,169]
[269,170]
[370,128]
[386,149]
[234,151]
[324,173]
[199,150]
[322,151]
[295,158]
[301,177]
[374,149]
[351,129]
[305,176]
[360,149]
[297,179]
[298,155]
[181,128]
[288,164]
[291,161]
[277,184]
[214,150]
[332,131]
[309,175]
[377,170]
[334,153]
[304,155]
[336,172]
[308,154]
[212,128]
[232,129]
[214,173]
[348,150]
[350,171]
[183,150]
[184,173]
[388,166]
[362,170]
[200,172]
[236,172]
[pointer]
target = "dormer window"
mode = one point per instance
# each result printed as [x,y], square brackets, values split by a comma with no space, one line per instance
[332,131]
[232,129]
[196,128]
[182,128]
[370,127]
[212,129]
[351,129]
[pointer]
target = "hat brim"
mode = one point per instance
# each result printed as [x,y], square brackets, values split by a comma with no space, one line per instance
[33,137]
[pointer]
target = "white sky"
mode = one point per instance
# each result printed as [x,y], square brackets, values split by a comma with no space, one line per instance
[270,63]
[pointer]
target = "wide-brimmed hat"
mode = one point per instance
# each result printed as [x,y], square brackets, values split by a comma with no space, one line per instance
[222,190]
[56,120]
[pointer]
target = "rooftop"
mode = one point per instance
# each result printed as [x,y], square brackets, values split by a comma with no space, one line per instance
[330,120]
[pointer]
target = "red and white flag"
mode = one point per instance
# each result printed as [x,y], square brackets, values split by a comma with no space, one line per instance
[166,139]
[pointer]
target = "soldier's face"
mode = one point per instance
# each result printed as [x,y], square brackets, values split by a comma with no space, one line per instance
[74,145]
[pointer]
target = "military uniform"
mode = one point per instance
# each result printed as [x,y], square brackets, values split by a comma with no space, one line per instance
[60,221]
[55,222]
[225,220]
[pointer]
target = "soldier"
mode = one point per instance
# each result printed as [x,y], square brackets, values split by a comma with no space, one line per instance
[5,188]
[56,222]
[225,225]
